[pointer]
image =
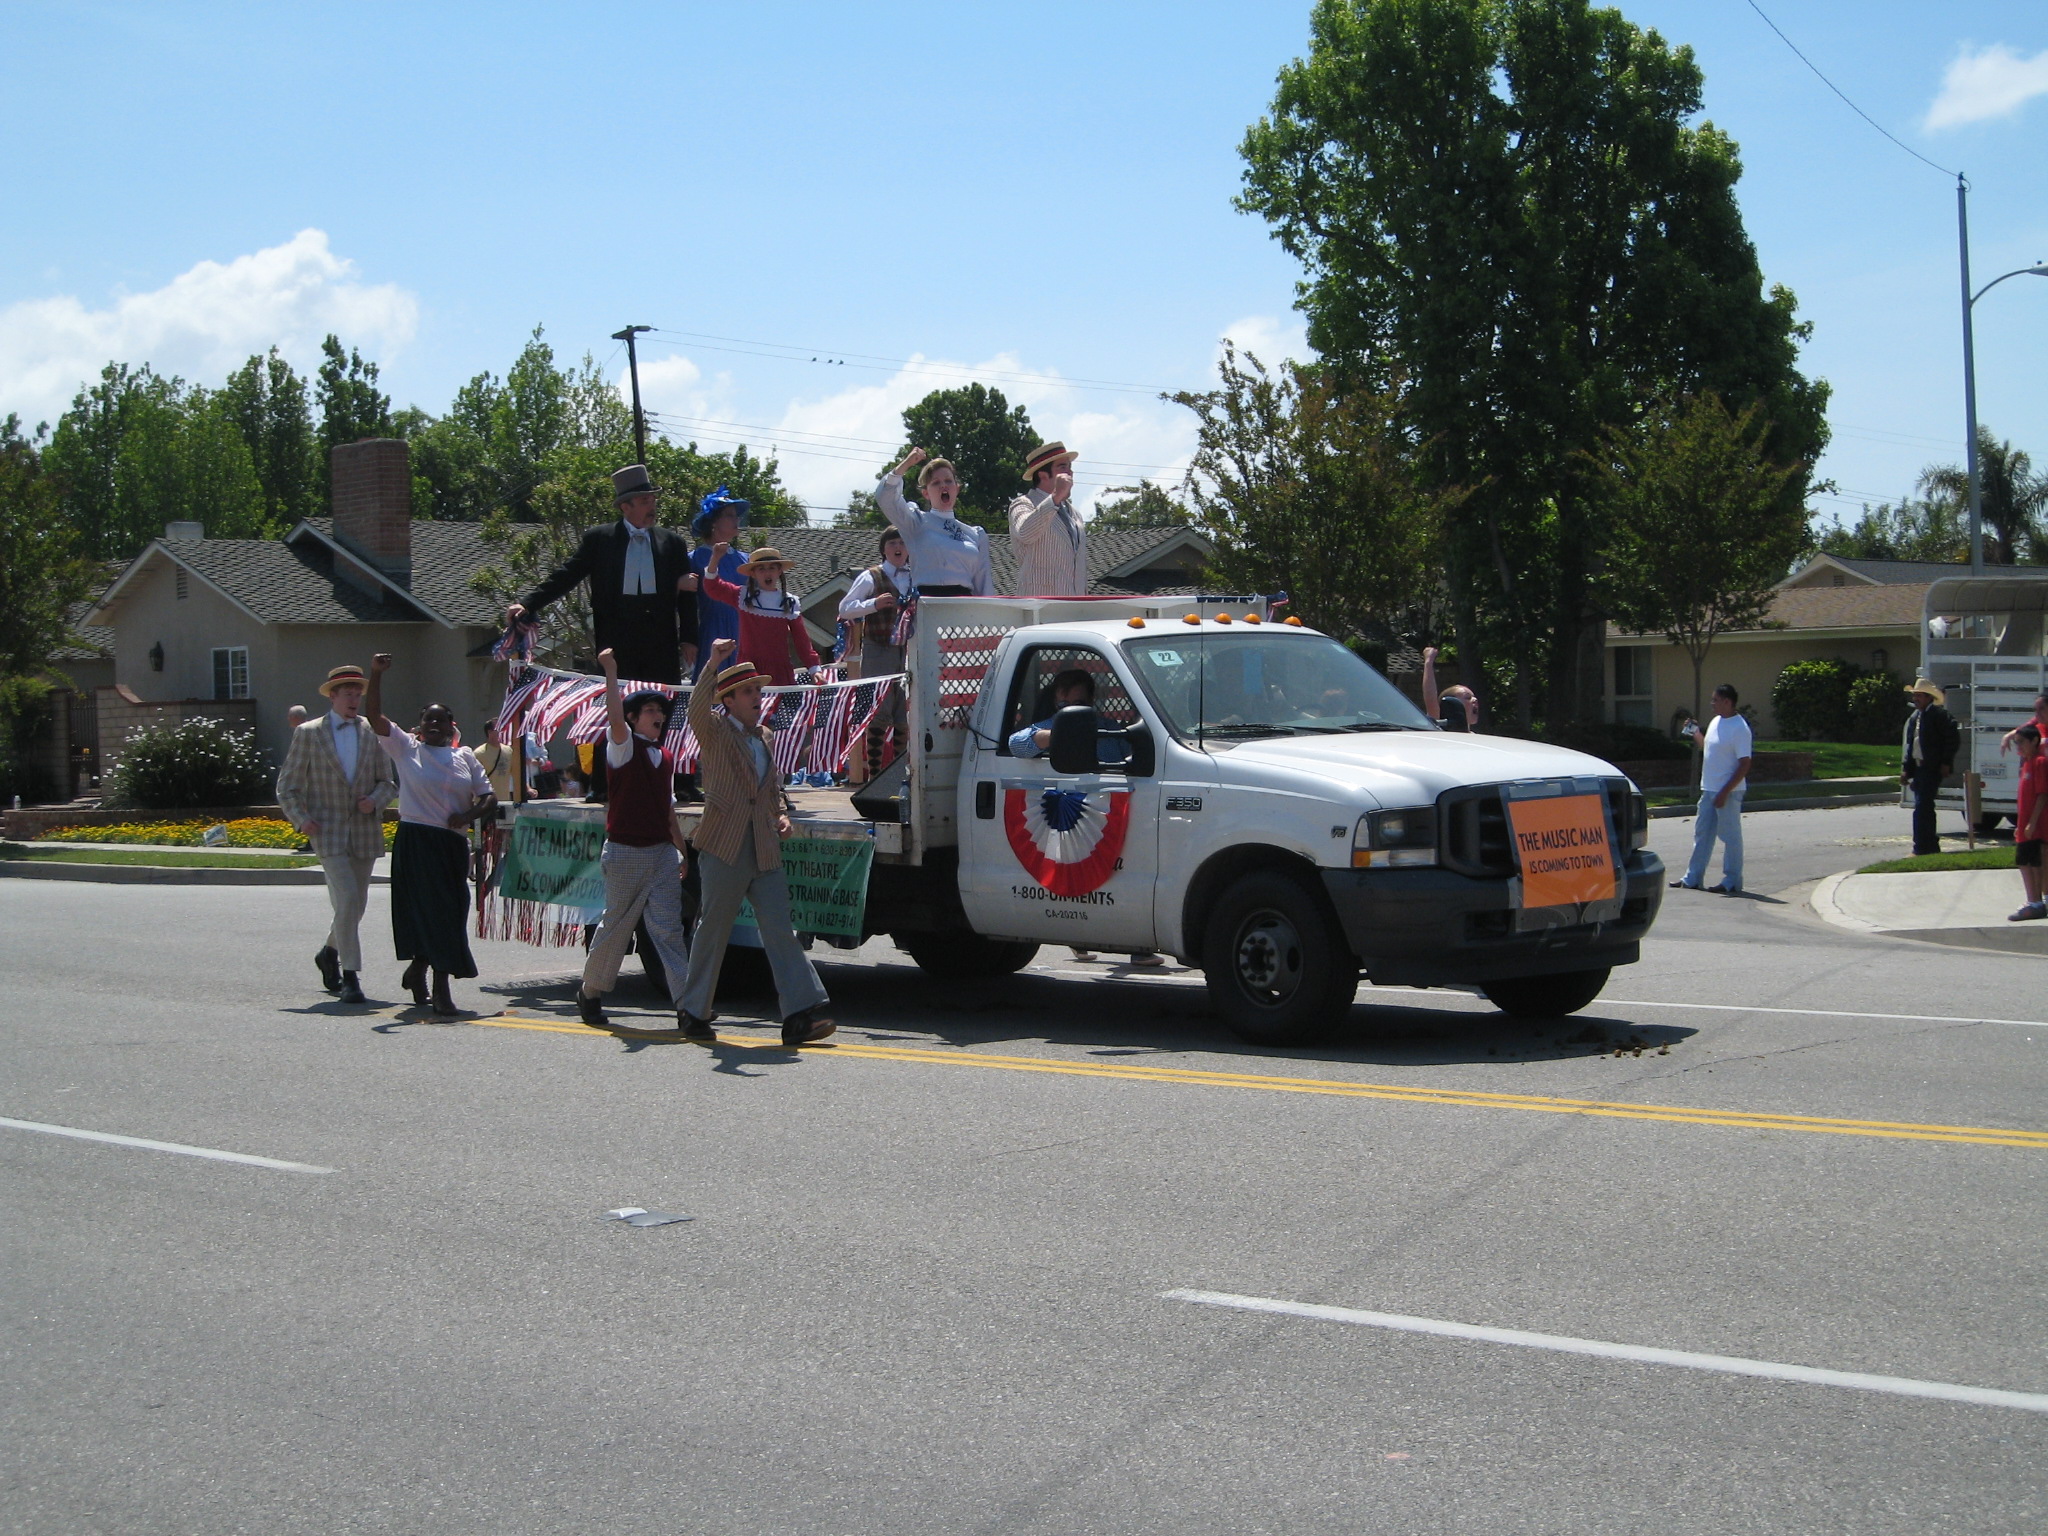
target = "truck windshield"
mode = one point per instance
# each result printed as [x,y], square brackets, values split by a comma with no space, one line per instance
[1275,684]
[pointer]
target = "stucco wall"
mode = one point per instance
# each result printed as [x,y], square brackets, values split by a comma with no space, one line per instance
[1753,665]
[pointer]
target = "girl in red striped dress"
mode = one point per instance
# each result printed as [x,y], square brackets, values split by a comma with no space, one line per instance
[771,623]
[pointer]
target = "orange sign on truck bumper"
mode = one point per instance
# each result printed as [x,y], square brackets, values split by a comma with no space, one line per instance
[1563,847]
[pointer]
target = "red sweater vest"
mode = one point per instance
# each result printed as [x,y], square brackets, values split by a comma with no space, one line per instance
[639,798]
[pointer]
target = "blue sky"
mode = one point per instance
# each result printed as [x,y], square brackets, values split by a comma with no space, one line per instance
[1036,196]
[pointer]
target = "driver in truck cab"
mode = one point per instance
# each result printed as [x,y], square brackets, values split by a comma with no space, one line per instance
[1071,687]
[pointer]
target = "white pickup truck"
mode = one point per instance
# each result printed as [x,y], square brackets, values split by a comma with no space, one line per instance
[1246,795]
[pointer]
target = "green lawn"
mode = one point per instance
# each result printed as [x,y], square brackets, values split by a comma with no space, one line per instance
[1843,759]
[1983,858]
[1806,791]
[155,858]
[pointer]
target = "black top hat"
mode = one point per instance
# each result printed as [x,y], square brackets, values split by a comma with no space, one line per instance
[631,481]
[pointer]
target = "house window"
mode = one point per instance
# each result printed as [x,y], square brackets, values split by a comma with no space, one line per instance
[231,672]
[184,584]
[1633,704]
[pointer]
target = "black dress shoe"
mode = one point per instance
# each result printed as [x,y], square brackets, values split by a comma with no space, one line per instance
[415,980]
[591,1011]
[444,1003]
[351,991]
[699,1030]
[805,1028]
[329,961]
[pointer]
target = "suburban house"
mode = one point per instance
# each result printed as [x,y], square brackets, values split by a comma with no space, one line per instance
[242,629]
[1867,612]
[239,630]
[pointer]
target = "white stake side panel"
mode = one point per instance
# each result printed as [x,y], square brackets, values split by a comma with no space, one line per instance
[951,656]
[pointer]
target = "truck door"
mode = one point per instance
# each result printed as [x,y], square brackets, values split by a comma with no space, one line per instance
[1068,860]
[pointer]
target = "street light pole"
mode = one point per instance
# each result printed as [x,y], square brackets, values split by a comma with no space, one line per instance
[2039,269]
[1969,382]
[640,417]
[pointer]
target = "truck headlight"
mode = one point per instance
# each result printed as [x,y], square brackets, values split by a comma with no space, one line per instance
[1400,839]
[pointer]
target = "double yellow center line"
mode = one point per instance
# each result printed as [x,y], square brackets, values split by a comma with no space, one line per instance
[1674,1114]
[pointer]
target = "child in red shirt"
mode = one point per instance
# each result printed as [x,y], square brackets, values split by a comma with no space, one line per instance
[2029,830]
[771,623]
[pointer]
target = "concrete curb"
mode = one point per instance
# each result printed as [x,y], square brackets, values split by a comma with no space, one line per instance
[1749,808]
[146,874]
[2021,939]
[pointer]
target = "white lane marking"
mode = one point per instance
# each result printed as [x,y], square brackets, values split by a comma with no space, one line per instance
[1733,1365]
[161,1146]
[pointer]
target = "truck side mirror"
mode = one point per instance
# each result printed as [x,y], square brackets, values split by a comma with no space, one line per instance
[1073,740]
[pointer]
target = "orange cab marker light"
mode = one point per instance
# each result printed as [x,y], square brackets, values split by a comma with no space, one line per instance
[1193,618]
[1137,623]
[1290,619]
[1222,618]
[1253,618]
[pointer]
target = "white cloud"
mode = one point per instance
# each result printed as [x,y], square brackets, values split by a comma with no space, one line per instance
[201,324]
[831,444]
[1985,83]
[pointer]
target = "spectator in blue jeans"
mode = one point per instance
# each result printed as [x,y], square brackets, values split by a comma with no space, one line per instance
[1722,772]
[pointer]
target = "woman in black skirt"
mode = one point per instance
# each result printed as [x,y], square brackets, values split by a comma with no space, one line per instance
[442,788]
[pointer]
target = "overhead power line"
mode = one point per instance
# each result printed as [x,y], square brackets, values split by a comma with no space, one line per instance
[868,362]
[1824,80]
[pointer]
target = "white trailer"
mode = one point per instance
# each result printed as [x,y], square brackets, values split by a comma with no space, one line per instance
[1985,643]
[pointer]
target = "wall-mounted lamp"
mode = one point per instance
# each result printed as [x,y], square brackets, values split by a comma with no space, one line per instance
[156,657]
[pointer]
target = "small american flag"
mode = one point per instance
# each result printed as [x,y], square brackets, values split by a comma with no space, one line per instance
[906,622]
[791,722]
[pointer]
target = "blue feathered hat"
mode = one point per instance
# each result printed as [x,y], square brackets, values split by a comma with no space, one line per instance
[720,500]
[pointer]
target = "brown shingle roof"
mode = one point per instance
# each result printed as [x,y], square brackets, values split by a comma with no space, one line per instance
[1893,606]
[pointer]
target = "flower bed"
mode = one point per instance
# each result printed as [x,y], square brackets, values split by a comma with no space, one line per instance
[244,832]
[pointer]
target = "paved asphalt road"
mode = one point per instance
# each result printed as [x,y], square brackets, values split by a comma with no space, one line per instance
[925,1295]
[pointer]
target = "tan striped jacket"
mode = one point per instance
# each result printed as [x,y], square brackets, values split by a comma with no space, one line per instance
[739,806]
[310,788]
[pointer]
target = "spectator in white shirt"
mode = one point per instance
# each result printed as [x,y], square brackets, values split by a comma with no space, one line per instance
[1723,770]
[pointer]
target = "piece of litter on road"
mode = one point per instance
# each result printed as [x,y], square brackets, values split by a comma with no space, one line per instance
[640,1216]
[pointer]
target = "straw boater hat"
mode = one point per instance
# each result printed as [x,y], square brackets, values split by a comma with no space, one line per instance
[764,558]
[1047,456]
[631,481]
[1926,685]
[342,677]
[739,673]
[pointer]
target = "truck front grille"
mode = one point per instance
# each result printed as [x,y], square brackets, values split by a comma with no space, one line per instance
[1473,829]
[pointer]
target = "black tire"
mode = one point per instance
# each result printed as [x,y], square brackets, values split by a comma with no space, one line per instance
[963,956]
[1545,997]
[1279,971]
[1987,823]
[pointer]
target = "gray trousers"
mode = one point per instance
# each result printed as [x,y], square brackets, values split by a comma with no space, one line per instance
[638,881]
[724,886]
[348,888]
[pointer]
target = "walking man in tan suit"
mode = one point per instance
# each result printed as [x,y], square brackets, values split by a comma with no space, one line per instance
[333,787]
[739,852]
[1045,531]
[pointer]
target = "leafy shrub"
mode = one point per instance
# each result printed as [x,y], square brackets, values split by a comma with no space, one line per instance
[198,762]
[24,716]
[1811,699]
[1619,743]
[1877,708]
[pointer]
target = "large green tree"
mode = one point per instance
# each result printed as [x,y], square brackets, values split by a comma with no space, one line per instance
[1143,505]
[351,405]
[1313,491]
[2012,497]
[985,436]
[1700,534]
[43,570]
[270,406]
[1507,206]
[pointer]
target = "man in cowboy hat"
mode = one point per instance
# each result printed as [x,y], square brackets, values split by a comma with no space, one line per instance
[333,787]
[1927,756]
[739,853]
[640,581]
[1045,530]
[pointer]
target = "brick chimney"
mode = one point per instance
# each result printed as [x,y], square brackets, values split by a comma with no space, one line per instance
[373,503]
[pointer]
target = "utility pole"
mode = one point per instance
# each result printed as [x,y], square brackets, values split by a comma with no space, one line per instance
[1970,381]
[633,367]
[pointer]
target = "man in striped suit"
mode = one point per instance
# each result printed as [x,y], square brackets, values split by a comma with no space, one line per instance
[333,787]
[739,852]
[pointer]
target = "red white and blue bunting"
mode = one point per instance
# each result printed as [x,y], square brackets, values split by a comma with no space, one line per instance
[1068,840]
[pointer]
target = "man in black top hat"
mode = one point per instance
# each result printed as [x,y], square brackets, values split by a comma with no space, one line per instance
[641,586]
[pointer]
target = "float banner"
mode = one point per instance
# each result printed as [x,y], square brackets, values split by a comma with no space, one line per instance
[828,884]
[1565,849]
[551,859]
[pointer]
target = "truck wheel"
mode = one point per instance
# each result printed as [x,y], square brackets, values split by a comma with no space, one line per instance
[1988,822]
[960,956]
[1545,997]
[1278,972]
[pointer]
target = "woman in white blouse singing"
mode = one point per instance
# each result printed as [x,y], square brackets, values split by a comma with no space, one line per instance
[948,558]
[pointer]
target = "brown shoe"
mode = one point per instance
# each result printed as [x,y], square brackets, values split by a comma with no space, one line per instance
[805,1028]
